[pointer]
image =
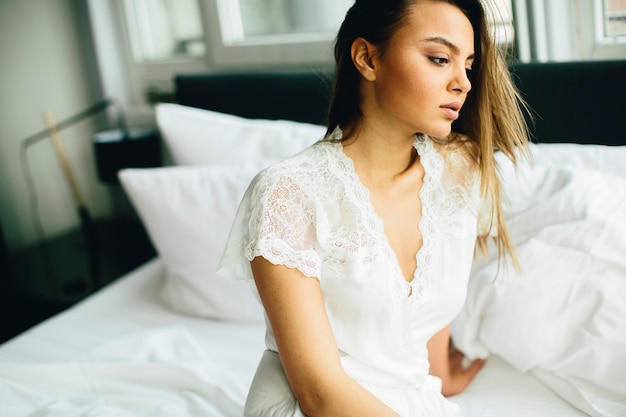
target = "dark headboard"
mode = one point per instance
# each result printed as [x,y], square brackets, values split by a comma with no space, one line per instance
[302,96]
[579,102]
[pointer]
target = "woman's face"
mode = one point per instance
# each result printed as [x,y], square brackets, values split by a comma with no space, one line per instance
[421,77]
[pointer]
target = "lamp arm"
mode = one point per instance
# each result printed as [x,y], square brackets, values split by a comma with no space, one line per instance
[89,111]
[53,131]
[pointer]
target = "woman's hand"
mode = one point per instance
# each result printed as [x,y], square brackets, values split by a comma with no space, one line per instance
[461,374]
[448,364]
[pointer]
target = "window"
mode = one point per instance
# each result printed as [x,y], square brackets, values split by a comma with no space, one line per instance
[501,20]
[144,43]
[164,29]
[279,20]
[601,28]
[264,22]
[249,32]
[272,33]
[614,18]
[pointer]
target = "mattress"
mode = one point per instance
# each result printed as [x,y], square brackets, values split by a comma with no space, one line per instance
[123,352]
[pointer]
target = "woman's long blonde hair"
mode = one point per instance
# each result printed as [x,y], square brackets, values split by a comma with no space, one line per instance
[492,115]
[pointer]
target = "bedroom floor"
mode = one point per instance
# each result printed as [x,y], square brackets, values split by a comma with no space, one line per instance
[45,280]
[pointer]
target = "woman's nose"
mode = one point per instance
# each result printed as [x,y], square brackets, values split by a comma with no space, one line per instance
[462,82]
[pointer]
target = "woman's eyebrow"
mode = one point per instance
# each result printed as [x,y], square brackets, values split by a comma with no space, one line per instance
[443,41]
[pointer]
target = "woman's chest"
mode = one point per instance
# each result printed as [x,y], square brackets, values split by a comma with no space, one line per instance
[400,216]
[365,294]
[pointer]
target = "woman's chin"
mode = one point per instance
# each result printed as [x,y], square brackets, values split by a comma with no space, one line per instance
[440,133]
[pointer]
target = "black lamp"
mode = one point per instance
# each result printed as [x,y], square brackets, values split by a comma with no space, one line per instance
[115,149]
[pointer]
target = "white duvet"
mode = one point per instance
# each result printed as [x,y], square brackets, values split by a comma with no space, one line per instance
[563,318]
[122,352]
[162,372]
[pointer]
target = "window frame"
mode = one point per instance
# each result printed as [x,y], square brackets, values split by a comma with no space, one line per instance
[588,22]
[271,51]
[130,82]
[599,46]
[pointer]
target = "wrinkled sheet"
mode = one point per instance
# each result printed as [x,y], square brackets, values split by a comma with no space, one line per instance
[163,372]
[122,352]
[563,317]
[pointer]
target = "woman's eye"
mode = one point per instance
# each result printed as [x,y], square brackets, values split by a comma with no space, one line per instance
[439,60]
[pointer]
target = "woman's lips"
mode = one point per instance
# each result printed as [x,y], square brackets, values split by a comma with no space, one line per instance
[452,114]
[451,110]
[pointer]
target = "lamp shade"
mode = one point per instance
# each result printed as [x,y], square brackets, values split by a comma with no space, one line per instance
[135,147]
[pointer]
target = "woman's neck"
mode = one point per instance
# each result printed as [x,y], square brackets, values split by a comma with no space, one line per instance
[380,156]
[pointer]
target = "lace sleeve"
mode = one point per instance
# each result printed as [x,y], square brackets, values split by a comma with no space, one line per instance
[281,226]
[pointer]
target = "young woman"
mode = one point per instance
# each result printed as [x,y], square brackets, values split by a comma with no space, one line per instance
[360,247]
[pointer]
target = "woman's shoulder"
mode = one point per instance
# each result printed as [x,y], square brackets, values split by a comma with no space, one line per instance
[470,146]
[460,150]
[465,145]
[303,168]
[460,162]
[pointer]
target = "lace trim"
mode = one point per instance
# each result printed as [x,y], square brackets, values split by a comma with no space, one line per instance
[358,192]
[443,209]
[427,256]
[444,196]
[408,295]
[398,289]
[283,226]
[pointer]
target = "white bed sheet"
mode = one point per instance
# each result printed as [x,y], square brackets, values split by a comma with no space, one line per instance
[121,352]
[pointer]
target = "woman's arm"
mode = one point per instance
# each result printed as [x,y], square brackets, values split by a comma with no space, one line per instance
[447,364]
[307,347]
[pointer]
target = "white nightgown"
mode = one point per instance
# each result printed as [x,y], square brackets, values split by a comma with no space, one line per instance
[311,212]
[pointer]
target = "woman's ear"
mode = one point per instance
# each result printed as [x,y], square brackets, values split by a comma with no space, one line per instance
[363,54]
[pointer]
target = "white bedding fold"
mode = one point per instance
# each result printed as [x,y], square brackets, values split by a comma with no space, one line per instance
[162,372]
[562,318]
[105,389]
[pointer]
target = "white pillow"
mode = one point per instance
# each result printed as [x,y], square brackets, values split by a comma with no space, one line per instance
[609,159]
[196,136]
[188,212]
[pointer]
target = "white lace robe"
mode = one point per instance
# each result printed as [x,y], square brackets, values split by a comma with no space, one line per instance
[311,212]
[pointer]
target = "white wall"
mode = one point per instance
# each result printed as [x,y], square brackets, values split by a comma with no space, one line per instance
[42,67]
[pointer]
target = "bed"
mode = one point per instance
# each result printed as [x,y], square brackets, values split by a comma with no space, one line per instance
[172,338]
